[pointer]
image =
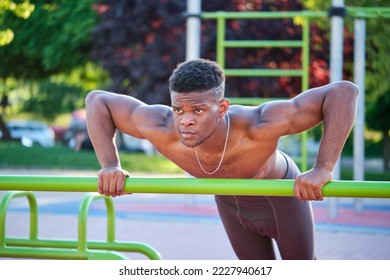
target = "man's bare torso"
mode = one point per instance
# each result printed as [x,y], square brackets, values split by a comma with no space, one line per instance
[245,157]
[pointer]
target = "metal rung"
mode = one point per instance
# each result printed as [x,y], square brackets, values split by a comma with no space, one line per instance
[263,72]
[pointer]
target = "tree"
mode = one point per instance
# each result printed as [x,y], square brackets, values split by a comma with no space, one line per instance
[50,50]
[378,118]
[22,10]
[377,67]
[140,43]
[54,39]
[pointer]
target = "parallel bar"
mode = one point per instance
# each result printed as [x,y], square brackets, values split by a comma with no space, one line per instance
[267,187]
[130,247]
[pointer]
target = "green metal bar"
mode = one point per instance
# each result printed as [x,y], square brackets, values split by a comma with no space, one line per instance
[81,245]
[4,204]
[305,84]
[262,15]
[62,254]
[252,100]
[262,43]
[83,215]
[221,186]
[133,247]
[42,253]
[263,72]
[220,39]
[369,12]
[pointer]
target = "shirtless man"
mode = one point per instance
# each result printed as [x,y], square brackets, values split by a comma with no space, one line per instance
[208,138]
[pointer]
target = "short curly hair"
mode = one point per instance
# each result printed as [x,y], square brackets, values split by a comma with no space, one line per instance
[198,75]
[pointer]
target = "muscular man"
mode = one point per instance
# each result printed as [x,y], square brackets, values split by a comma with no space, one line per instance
[208,138]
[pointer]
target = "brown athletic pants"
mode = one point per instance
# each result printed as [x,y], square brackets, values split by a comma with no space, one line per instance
[251,222]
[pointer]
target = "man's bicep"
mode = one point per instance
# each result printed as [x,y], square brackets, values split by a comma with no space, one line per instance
[306,110]
[290,116]
[136,117]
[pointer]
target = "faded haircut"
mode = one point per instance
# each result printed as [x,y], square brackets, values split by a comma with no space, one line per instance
[198,75]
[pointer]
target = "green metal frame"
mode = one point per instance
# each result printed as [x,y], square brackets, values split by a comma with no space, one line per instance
[21,186]
[33,247]
[267,187]
[222,44]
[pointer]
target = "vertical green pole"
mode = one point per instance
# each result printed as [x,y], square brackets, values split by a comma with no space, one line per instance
[4,203]
[305,81]
[221,39]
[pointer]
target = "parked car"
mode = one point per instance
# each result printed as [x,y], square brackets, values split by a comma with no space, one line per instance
[130,143]
[76,137]
[31,132]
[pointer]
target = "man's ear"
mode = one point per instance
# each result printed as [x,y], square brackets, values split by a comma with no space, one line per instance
[224,105]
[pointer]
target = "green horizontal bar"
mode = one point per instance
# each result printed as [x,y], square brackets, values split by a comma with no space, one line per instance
[262,43]
[251,100]
[263,72]
[46,253]
[61,254]
[369,12]
[132,247]
[262,15]
[262,187]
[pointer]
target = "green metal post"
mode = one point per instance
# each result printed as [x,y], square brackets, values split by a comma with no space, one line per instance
[220,40]
[83,214]
[4,204]
[305,83]
[222,43]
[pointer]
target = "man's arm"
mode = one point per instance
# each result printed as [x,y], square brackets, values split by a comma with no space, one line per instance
[107,112]
[335,106]
[338,116]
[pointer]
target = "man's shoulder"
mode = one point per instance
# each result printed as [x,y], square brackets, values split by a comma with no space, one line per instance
[247,116]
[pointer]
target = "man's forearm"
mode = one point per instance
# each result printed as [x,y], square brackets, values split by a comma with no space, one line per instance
[101,130]
[339,110]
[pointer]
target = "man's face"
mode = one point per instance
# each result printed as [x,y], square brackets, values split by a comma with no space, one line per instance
[196,116]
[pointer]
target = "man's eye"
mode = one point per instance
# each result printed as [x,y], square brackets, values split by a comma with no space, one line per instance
[198,110]
[177,110]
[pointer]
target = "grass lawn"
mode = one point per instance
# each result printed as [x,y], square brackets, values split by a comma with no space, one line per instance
[14,155]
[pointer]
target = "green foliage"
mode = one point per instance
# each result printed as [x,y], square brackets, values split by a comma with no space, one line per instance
[64,93]
[378,117]
[22,10]
[377,64]
[53,99]
[54,39]
[51,50]
[141,42]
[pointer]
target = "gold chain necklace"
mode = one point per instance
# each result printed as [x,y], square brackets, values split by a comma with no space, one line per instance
[223,153]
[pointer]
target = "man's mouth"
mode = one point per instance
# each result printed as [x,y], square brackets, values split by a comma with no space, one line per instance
[187,134]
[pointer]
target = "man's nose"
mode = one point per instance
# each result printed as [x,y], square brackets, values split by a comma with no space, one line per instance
[187,120]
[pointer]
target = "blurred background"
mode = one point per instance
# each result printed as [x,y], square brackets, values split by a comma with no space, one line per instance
[53,53]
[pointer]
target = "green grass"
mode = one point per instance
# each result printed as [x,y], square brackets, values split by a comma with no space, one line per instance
[14,155]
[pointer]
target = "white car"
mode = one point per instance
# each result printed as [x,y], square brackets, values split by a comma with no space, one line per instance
[31,132]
